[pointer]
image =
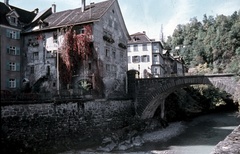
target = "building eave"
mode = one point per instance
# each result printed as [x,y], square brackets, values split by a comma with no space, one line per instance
[56,27]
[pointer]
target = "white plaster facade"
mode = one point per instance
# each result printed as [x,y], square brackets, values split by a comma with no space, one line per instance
[111,58]
[145,56]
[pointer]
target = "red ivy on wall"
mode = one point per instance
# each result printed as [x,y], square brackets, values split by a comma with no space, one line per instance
[75,49]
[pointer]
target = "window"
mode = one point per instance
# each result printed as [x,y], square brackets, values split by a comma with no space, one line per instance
[13,34]
[89,66]
[114,53]
[129,48]
[136,59]
[108,68]
[145,58]
[135,47]
[110,22]
[35,56]
[155,59]
[48,70]
[144,47]
[49,54]
[155,47]
[12,83]
[114,68]
[115,25]
[55,37]
[121,55]
[107,52]
[82,30]
[13,20]
[12,66]
[13,50]
[32,69]
[129,59]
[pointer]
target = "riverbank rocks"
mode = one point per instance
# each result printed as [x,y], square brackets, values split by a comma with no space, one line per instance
[123,145]
[230,145]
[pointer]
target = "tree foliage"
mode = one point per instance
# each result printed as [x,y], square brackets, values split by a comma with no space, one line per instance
[214,42]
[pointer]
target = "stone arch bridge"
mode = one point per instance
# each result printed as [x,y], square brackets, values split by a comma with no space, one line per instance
[152,92]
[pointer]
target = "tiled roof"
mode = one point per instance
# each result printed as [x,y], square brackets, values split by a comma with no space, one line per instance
[138,38]
[92,12]
[24,16]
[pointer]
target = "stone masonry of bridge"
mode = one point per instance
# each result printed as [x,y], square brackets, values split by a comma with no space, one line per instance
[151,93]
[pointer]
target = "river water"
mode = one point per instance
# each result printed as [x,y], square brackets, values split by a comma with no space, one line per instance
[198,136]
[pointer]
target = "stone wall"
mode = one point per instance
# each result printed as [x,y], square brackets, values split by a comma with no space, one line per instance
[40,124]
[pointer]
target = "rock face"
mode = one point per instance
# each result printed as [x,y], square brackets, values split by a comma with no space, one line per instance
[230,145]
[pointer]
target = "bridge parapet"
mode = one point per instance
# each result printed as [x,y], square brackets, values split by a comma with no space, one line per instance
[149,91]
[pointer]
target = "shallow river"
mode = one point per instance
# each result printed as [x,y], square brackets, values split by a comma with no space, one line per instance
[198,136]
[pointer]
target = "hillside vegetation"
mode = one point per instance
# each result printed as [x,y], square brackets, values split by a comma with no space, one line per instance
[211,45]
[208,46]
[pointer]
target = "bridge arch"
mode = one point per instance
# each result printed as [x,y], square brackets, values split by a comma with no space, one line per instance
[151,93]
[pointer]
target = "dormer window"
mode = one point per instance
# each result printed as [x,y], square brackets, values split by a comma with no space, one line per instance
[42,24]
[135,38]
[13,20]
[12,17]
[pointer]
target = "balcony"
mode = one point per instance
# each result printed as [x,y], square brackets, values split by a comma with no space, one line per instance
[108,39]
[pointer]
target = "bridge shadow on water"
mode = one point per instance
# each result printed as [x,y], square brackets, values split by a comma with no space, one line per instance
[200,133]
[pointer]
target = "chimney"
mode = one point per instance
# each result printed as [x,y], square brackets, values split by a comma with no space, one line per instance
[53,8]
[144,32]
[83,5]
[36,11]
[6,2]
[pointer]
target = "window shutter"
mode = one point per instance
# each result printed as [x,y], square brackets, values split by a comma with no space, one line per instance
[17,83]
[18,35]
[17,66]
[7,66]
[8,50]
[8,33]
[17,51]
[7,83]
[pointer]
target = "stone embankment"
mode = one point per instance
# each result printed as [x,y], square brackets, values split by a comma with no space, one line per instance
[53,127]
[230,145]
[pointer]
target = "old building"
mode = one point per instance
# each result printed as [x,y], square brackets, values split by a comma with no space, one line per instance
[78,51]
[179,67]
[145,55]
[173,65]
[12,21]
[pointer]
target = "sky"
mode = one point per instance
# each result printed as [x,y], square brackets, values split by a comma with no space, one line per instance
[151,16]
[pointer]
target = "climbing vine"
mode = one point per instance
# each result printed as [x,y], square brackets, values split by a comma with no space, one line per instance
[75,48]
